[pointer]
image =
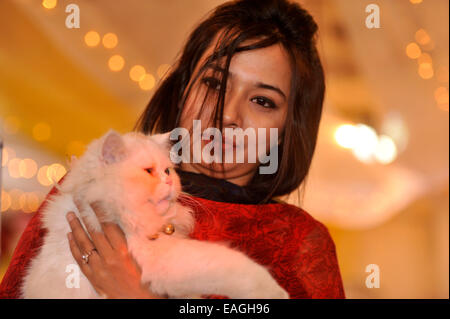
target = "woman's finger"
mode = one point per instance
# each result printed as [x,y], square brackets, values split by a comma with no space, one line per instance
[79,235]
[112,231]
[88,268]
[78,256]
[98,237]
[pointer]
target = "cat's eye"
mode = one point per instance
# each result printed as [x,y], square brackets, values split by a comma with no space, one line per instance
[149,170]
[167,171]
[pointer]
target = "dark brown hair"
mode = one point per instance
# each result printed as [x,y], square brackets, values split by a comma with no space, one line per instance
[269,22]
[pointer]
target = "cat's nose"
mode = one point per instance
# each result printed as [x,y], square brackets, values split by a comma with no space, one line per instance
[168,181]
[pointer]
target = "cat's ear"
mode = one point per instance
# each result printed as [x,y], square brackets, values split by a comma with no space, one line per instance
[162,139]
[113,148]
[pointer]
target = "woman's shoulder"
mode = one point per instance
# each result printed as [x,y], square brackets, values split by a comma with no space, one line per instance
[304,226]
[275,215]
[297,213]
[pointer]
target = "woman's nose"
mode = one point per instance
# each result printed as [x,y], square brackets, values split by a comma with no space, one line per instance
[232,111]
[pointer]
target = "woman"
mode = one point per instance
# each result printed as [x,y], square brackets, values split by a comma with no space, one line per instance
[252,64]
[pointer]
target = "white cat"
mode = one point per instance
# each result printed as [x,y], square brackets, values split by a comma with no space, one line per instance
[134,179]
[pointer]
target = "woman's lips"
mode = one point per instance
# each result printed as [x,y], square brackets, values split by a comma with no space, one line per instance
[224,143]
[228,143]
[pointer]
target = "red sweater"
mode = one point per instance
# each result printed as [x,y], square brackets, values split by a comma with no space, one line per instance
[297,249]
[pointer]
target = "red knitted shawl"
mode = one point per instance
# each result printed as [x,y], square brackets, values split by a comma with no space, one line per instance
[297,249]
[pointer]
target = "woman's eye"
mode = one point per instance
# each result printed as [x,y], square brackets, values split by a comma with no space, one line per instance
[149,170]
[212,83]
[167,171]
[264,102]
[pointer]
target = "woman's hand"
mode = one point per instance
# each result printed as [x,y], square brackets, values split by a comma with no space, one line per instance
[111,270]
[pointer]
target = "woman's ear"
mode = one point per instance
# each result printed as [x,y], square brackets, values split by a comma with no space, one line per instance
[113,148]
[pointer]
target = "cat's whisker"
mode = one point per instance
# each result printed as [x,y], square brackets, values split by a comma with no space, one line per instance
[187,198]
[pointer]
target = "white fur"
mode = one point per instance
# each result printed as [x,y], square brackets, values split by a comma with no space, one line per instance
[174,265]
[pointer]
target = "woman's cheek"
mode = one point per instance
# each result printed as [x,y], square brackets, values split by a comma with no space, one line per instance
[266,121]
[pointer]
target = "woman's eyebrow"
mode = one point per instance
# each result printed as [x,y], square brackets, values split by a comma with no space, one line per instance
[258,84]
[270,87]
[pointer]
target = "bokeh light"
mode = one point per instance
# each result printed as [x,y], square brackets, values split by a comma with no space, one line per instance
[42,176]
[49,4]
[386,150]
[137,73]
[55,172]
[92,38]
[5,201]
[442,98]
[15,199]
[147,82]
[27,168]
[14,167]
[110,40]
[7,155]
[116,63]
[441,95]
[422,37]
[345,135]
[33,202]
[365,143]
[23,202]
[426,71]
[413,51]
[29,202]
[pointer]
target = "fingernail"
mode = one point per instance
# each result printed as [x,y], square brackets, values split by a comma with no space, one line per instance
[70,216]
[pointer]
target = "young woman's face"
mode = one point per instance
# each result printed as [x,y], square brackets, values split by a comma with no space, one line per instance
[256,97]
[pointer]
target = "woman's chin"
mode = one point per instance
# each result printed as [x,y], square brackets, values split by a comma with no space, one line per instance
[228,170]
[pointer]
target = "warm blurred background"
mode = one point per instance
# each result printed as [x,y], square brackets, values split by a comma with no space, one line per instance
[379,179]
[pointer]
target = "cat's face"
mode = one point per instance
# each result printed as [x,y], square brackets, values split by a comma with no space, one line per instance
[144,168]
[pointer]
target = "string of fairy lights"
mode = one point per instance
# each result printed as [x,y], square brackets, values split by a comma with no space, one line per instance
[116,62]
[364,142]
[27,168]
[421,50]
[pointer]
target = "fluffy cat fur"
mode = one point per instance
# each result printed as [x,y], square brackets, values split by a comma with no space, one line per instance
[113,171]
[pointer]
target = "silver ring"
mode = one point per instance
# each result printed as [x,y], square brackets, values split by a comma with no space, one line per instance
[85,257]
